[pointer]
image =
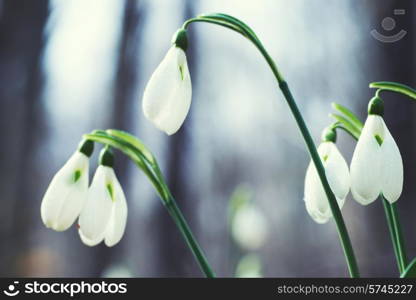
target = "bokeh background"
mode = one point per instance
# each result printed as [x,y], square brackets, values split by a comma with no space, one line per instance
[70,66]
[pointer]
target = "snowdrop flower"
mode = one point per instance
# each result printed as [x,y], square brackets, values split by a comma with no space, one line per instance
[336,170]
[104,215]
[67,191]
[249,227]
[167,96]
[376,166]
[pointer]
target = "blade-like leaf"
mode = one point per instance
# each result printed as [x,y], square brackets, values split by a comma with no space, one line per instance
[134,154]
[129,138]
[395,87]
[348,114]
[348,126]
[352,134]
[410,271]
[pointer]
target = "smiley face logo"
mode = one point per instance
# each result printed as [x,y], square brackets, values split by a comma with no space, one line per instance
[11,289]
[388,24]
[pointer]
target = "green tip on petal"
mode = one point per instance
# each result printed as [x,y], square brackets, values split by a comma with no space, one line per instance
[329,135]
[107,157]
[110,191]
[376,106]
[77,175]
[86,147]
[379,139]
[180,39]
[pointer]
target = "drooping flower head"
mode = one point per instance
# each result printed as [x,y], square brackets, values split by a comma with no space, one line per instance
[67,191]
[167,96]
[104,215]
[336,170]
[376,166]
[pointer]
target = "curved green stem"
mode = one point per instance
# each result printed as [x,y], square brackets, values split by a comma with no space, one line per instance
[183,226]
[144,159]
[248,33]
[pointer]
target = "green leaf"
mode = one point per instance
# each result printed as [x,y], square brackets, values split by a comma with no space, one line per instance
[347,125]
[410,271]
[348,115]
[136,155]
[129,138]
[395,87]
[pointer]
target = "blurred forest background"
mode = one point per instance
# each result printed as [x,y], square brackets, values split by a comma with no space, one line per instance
[70,66]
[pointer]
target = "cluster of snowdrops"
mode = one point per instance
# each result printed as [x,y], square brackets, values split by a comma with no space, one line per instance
[376,169]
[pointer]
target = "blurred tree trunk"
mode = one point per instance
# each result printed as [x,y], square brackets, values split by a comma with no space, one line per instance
[175,259]
[394,62]
[21,44]
[121,113]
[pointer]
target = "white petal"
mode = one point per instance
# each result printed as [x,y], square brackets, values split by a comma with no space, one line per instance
[167,96]
[366,163]
[65,197]
[315,198]
[116,226]
[336,170]
[96,213]
[392,168]
[90,242]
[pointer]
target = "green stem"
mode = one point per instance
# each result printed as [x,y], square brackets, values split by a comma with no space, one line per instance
[392,231]
[336,212]
[180,221]
[399,236]
[342,230]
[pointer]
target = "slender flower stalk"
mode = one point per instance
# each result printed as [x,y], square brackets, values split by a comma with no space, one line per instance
[401,248]
[238,26]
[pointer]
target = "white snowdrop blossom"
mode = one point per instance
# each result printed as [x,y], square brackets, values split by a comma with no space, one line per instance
[167,96]
[336,170]
[66,194]
[104,215]
[249,227]
[376,166]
